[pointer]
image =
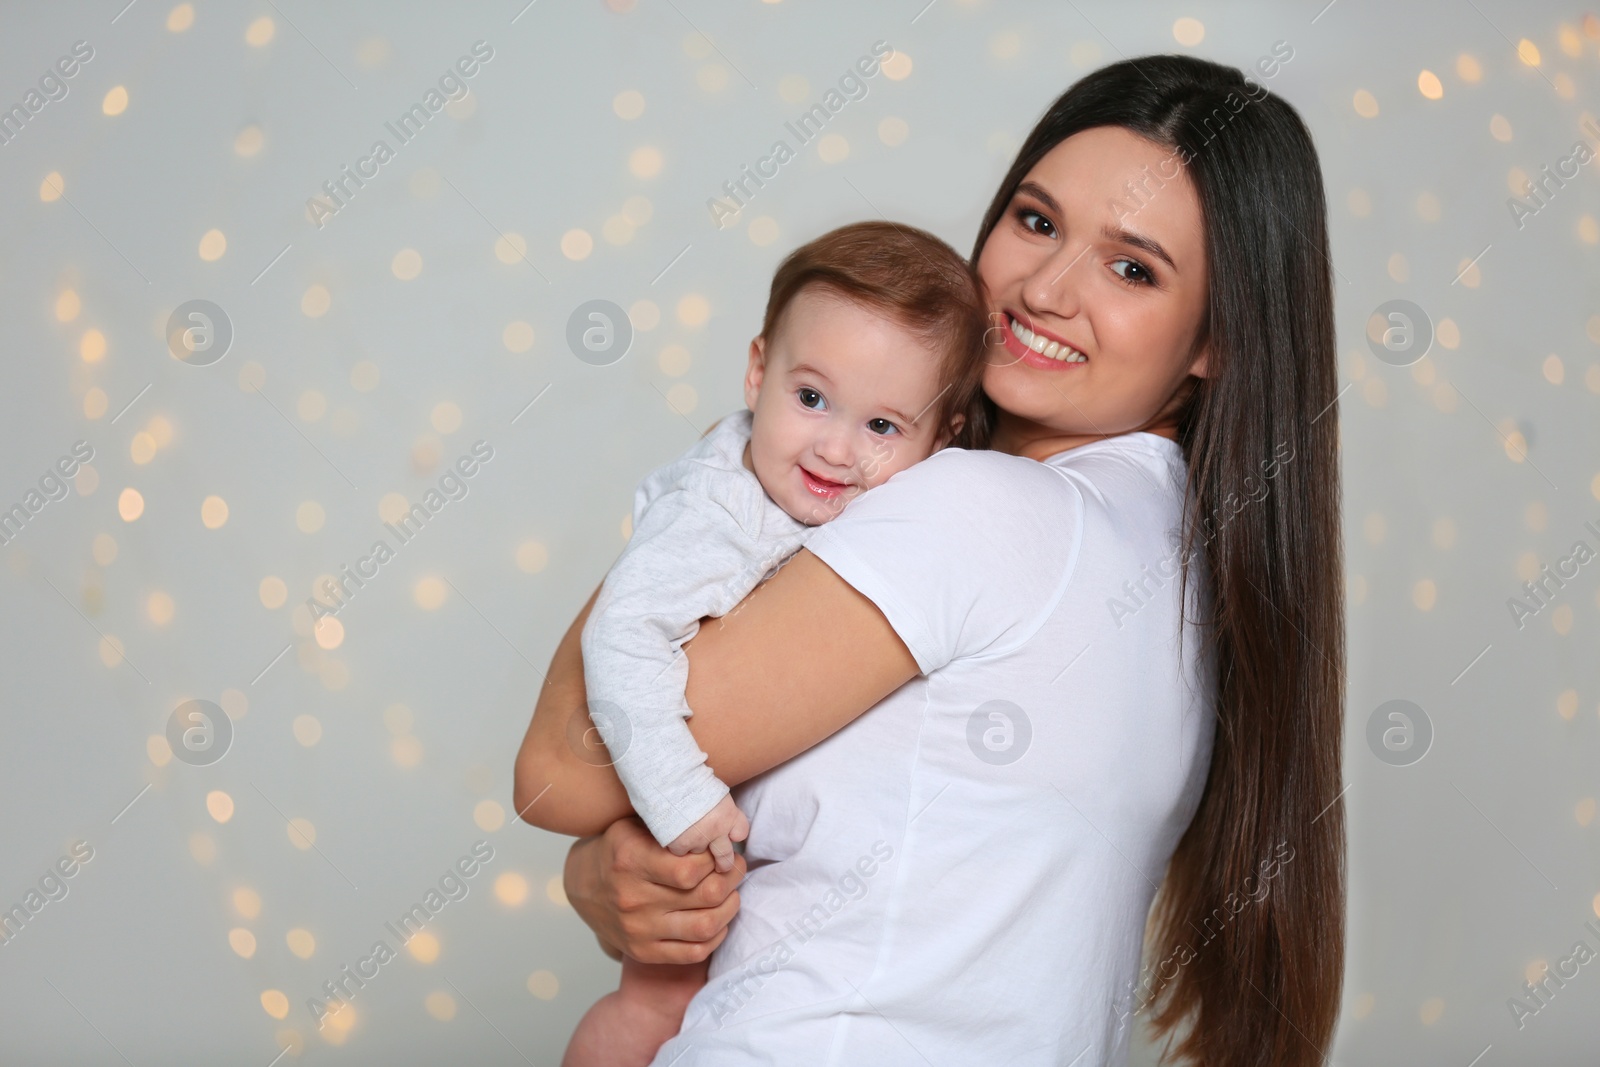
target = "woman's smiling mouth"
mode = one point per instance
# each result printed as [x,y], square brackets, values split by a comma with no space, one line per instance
[1037,349]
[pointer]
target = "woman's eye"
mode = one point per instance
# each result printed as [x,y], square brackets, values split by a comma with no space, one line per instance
[1044,226]
[810,398]
[882,426]
[1134,272]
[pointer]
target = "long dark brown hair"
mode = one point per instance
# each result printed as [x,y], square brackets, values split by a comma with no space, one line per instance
[1259,435]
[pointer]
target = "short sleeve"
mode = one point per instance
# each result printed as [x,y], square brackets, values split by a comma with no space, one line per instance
[966,553]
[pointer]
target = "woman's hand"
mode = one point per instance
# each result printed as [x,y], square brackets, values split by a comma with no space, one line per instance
[642,900]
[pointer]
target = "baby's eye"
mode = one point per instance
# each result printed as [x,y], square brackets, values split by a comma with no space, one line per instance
[882,426]
[810,398]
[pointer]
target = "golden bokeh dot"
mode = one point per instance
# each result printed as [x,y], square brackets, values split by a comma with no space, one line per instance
[429,593]
[252,376]
[897,66]
[488,815]
[683,398]
[532,557]
[275,1004]
[893,131]
[626,527]
[1429,85]
[1444,533]
[1375,527]
[213,512]
[213,243]
[301,943]
[763,230]
[1188,32]
[306,729]
[156,746]
[1584,810]
[86,480]
[364,376]
[104,549]
[406,264]
[645,162]
[696,45]
[315,301]
[130,504]
[712,77]
[543,984]
[1518,183]
[511,888]
[142,449]
[68,305]
[445,417]
[794,89]
[617,230]
[1591,378]
[1468,69]
[645,315]
[628,104]
[1588,229]
[272,591]
[159,607]
[1448,333]
[372,53]
[311,406]
[556,891]
[1528,52]
[1359,202]
[1527,566]
[833,148]
[203,848]
[517,336]
[1428,207]
[249,141]
[1366,104]
[1425,594]
[328,632]
[1561,619]
[1535,970]
[247,902]
[235,703]
[115,102]
[1398,268]
[1516,446]
[1431,1011]
[51,187]
[1470,273]
[1375,391]
[1567,704]
[1553,370]
[1500,128]
[423,946]
[180,18]
[302,834]
[510,248]
[1006,44]
[309,517]
[440,1005]
[1571,43]
[258,33]
[694,310]
[243,942]
[219,805]
[406,751]
[393,507]
[674,361]
[577,244]
[92,346]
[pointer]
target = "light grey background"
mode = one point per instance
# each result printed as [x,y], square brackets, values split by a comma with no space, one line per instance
[1467,870]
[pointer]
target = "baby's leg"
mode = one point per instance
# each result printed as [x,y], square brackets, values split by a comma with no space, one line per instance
[626,1028]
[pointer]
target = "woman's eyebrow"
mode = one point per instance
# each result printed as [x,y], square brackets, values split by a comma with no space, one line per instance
[1035,190]
[1138,240]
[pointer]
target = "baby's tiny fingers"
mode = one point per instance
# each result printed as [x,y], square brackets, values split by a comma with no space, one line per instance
[722,853]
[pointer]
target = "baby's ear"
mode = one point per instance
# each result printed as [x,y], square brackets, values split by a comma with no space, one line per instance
[953,431]
[755,373]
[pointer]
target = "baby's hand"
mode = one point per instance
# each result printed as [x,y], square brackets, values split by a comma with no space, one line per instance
[717,830]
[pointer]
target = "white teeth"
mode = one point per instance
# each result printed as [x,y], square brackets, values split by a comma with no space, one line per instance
[1046,347]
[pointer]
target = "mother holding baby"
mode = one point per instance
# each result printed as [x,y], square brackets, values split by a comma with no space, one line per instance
[1023,691]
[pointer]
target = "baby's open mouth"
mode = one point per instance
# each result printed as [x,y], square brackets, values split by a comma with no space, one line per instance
[820,486]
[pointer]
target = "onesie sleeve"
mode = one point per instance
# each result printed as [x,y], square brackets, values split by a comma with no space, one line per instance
[965,553]
[689,557]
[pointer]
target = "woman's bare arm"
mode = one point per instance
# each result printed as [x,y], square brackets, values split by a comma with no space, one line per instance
[795,661]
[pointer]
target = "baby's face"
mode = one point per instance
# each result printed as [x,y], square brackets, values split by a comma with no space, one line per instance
[843,397]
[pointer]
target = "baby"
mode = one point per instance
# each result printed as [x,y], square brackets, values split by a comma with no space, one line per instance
[869,360]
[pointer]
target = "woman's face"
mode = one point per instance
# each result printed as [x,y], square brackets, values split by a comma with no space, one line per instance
[1097,285]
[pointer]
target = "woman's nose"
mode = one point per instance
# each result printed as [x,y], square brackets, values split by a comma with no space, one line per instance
[1056,285]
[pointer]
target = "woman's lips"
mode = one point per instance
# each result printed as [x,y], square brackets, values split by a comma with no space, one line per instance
[1024,354]
[822,486]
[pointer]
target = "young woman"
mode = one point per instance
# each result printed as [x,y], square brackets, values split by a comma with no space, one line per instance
[1013,692]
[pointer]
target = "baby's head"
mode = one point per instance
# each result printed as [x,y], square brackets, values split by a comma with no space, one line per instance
[869,360]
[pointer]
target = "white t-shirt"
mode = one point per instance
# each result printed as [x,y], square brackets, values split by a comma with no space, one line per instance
[962,874]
